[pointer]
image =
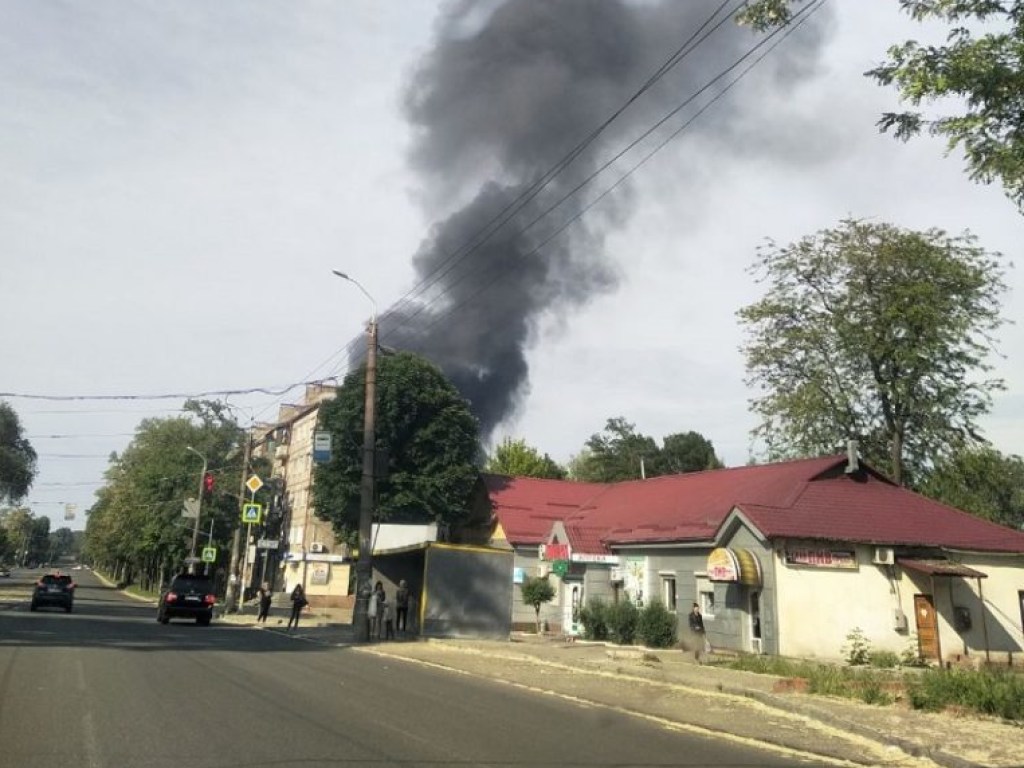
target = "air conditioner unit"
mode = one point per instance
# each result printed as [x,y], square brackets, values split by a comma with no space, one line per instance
[615,575]
[317,547]
[884,556]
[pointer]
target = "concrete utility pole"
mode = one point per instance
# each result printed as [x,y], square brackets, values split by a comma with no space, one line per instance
[199,507]
[367,486]
[230,595]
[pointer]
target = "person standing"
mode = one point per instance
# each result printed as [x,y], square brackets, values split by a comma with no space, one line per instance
[700,642]
[389,619]
[374,610]
[402,605]
[299,602]
[265,596]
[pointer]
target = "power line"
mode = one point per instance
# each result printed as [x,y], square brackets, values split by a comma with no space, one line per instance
[796,22]
[517,204]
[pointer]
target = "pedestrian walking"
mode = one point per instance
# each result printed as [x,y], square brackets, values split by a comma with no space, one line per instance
[389,619]
[265,595]
[701,646]
[299,602]
[402,605]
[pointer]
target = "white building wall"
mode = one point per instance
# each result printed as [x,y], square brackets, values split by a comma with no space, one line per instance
[819,607]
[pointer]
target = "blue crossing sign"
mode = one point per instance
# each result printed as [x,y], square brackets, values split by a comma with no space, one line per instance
[252,513]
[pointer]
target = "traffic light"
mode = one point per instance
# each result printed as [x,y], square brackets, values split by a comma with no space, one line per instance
[208,482]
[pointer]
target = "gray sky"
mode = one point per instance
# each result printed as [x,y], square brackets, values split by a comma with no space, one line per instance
[179,179]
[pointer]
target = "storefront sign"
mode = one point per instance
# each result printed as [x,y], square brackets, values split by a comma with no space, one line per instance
[321,447]
[844,559]
[734,565]
[319,574]
[584,557]
[554,552]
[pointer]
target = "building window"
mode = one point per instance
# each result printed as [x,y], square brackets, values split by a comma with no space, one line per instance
[668,592]
[706,597]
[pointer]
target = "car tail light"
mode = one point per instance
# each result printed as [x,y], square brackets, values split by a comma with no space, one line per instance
[210,599]
[172,597]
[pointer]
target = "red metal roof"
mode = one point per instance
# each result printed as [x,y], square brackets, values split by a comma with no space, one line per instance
[872,510]
[526,507]
[940,568]
[807,498]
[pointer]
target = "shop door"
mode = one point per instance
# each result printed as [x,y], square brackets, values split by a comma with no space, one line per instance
[572,601]
[927,627]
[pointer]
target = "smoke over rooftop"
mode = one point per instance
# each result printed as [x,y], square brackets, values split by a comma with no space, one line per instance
[509,89]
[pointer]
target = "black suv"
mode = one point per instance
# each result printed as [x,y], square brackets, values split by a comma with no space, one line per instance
[54,589]
[190,596]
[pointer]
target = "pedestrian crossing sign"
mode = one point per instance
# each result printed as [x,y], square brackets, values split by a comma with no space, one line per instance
[252,513]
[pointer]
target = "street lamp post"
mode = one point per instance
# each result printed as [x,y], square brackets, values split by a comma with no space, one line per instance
[364,565]
[199,507]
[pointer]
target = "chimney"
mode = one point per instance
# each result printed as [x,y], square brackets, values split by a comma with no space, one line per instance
[852,462]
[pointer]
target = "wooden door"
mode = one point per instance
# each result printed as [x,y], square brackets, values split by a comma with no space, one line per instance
[927,628]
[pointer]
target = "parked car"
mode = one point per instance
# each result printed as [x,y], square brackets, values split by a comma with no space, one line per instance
[5,573]
[190,596]
[54,589]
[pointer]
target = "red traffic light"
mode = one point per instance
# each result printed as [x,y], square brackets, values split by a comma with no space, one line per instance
[208,482]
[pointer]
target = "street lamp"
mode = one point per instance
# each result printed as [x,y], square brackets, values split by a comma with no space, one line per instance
[364,565]
[199,506]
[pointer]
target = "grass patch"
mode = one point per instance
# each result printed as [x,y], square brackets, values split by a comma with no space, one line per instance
[997,692]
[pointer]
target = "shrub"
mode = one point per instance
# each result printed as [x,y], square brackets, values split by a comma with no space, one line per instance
[857,648]
[594,617]
[656,626]
[622,620]
[883,659]
[990,692]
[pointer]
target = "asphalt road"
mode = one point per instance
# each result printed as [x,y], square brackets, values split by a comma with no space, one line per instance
[109,687]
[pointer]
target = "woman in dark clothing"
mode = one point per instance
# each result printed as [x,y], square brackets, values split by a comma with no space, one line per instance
[299,602]
[266,595]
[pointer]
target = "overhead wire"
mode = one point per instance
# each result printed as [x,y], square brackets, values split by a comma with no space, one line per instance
[493,225]
[781,34]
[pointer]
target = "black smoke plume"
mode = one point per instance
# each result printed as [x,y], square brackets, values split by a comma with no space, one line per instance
[508,89]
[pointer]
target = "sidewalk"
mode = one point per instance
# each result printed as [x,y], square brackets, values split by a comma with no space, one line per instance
[667,687]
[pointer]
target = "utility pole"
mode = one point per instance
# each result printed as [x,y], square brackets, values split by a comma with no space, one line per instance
[367,486]
[199,507]
[235,578]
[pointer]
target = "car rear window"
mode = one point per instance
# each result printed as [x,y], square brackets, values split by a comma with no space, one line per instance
[51,579]
[191,584]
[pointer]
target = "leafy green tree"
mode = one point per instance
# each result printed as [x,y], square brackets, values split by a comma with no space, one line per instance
[61,543]
[982,481]
[136,528]
[877,333]
[426,435]
[619,453]
[17,523]
[687,452]
[537,591]
[977,75]
[517,459]
[17,457]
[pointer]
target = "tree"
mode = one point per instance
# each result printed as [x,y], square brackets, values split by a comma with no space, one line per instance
[62,543]
[982,481]
[427,448]
[136,526]
[17,457]
[687,452]
[536,591]
[875,333]
[978,72]
[517,459]
[17,522]
[620,453]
